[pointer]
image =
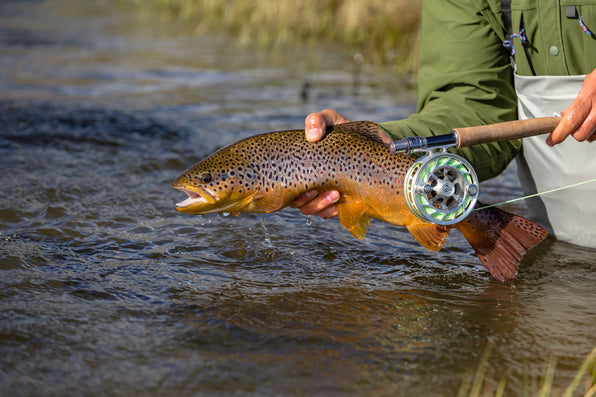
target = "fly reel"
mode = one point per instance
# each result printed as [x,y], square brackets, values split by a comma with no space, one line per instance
[441,187]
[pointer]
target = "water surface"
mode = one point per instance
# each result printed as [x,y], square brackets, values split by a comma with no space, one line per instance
[105,289]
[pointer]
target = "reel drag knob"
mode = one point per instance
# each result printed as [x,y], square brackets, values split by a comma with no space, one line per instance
[441,187]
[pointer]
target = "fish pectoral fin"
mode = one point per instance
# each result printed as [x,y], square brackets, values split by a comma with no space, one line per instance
[352,217]
[271,201]
[429,235]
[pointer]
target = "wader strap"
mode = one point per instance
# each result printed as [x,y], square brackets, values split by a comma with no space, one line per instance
[506,16]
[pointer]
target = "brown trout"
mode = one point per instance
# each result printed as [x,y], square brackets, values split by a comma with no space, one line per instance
[266,172]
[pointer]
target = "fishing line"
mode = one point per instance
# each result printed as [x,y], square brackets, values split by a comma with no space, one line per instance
[537,194]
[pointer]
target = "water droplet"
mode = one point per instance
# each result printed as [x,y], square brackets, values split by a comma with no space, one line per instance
[267,239]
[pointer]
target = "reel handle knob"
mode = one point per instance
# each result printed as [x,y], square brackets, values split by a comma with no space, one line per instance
[424,189]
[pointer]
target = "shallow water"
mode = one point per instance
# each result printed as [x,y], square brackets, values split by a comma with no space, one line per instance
[105,289]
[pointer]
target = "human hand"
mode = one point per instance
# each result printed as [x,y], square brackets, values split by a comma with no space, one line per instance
[313,202]
[579,119]
[316,124]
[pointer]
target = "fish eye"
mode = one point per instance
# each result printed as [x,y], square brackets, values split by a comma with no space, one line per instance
[206,177]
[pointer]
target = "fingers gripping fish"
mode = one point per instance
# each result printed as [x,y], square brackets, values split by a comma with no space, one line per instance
[267,172]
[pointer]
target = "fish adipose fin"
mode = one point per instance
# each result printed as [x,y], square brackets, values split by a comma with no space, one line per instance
[500,239]
[351,216]
[429,235]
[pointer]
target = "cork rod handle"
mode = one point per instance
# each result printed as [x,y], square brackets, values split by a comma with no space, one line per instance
[468,136]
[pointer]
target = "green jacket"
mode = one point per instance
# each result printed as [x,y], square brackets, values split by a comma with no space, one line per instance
[465,76]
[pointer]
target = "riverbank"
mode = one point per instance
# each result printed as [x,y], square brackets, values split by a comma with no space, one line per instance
[385,33]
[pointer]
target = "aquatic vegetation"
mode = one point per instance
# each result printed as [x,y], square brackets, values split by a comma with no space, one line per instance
[476,384]
[385,32]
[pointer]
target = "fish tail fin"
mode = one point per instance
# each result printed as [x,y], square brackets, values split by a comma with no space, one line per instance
[500,239]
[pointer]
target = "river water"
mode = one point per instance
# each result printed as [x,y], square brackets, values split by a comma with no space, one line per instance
[106,290]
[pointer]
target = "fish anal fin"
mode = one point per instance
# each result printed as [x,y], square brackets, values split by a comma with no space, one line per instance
[352,216]
[500,239]
[429,235]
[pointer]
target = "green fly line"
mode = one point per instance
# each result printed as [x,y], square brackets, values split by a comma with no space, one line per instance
[537,194]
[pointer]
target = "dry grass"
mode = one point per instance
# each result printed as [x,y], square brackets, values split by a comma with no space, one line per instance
[385,32]
[476,385]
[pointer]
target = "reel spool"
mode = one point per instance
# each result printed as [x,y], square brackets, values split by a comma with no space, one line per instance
[441,187]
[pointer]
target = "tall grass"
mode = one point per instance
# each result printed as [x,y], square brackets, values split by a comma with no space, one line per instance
[475,385]
[385,32]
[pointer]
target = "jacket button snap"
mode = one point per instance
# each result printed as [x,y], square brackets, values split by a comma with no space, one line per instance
[554,50]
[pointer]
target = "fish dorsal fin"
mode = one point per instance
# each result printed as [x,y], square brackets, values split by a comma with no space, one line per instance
[270,201]
[367,129]
[429,235]
[352,217]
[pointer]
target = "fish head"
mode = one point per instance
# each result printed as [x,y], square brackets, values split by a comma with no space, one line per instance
[223,182]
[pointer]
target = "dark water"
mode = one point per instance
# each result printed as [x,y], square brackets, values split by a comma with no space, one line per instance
[106,290]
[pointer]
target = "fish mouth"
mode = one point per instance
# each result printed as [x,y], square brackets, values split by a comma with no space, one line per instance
[197,199]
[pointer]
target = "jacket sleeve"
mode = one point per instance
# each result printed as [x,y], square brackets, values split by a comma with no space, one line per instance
[465,79]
